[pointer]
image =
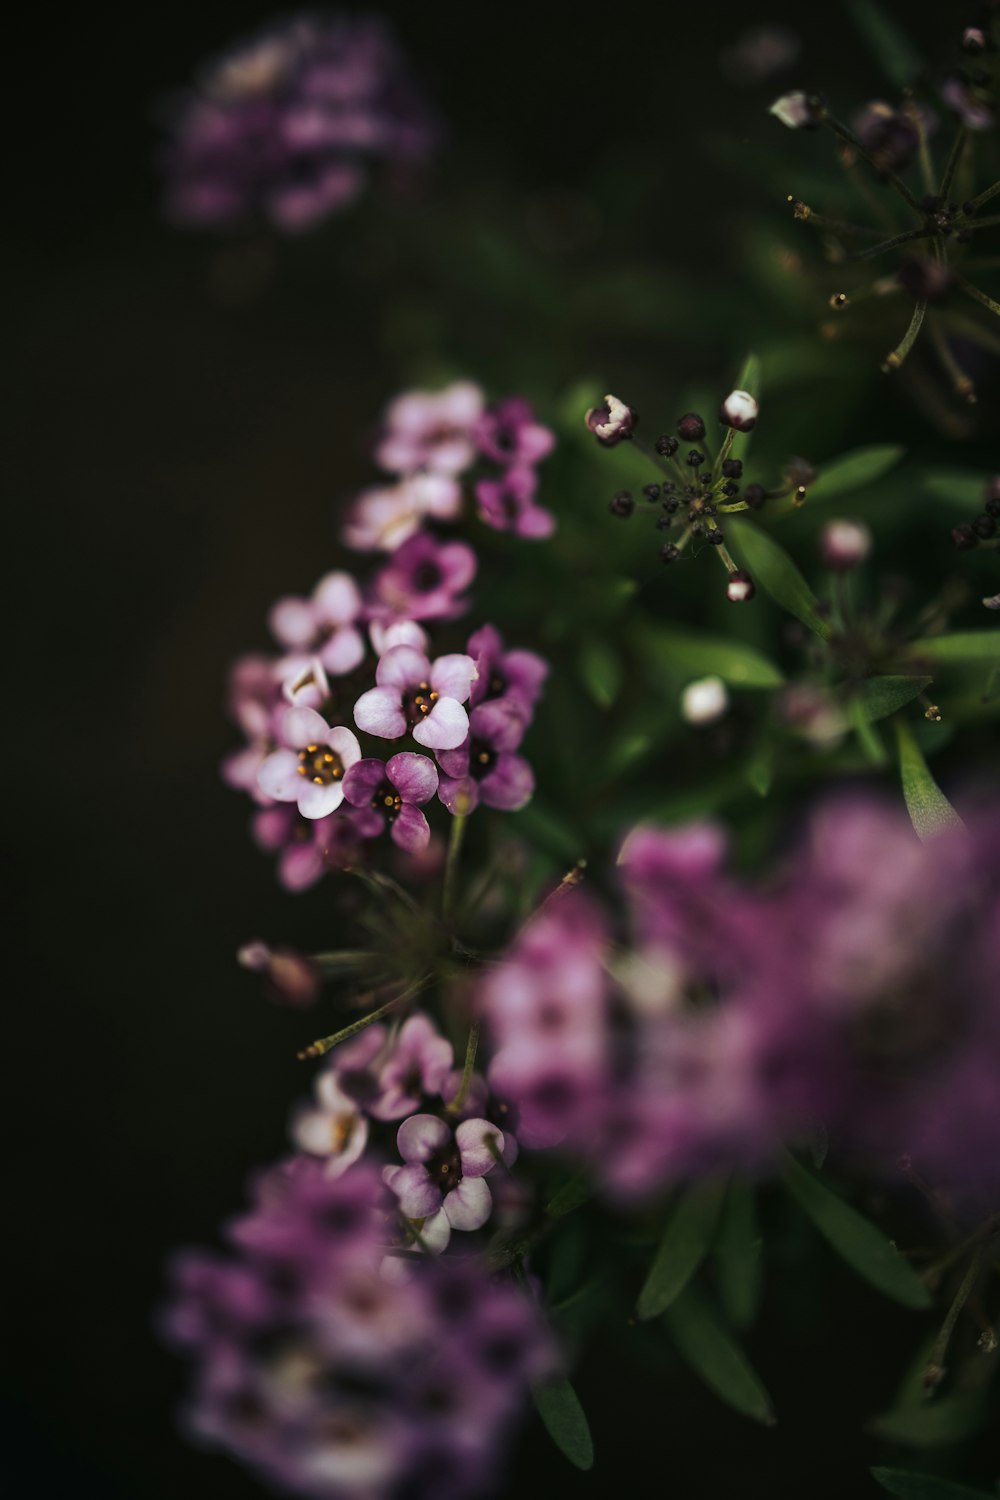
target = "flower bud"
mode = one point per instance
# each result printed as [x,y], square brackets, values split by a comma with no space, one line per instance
[289,977]
[755,495]
[973,40]
[740,587]
[992,603]
[611,421]
[796,110]
[704,701]
[964,538]
[984,527]
[666,446]
[739,410]
[622,504]
[669,553]
[691,428]
[845,544]
[927,280]
[732,468]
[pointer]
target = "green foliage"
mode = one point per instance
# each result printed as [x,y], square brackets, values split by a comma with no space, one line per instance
[964,646]
[776,573]
[738,1256]
[881,696]
[852,471]
[887,42]
[715,1356]
[601,671]
[565,1420]
[908,1486]
[855,1238]
[691,653]
[685,1243]
[930,811]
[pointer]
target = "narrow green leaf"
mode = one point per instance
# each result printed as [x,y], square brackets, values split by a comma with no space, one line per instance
[887,41]
[684,1245]
[760,770]
[851,471]
[715,1356]
[924,1486]
[963,646]
[930,811]
[868,736]
[881,696]
[934,1424]
[570,1196]
[771,567]
[559,1407]
[737,1256]
[855,1238]
[699,655]
[964,491]
[600,671]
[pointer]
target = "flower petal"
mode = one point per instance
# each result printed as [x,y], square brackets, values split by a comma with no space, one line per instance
[474,1138]
[469,1205]
[362,779]
[402,667]
[380,712]
[420,1136]
[278,776]
[414,776]
[337,598]
[410,830]
[292,622]
[344,651]
[453,675]
[510,785]
[418,1194]
[444,728]
[460,794]
[319,801]
[345,744]
[304,726]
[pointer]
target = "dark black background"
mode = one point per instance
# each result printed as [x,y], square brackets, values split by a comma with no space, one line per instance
[177,451]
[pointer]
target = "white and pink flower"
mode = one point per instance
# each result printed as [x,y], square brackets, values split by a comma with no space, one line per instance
[310,767]
[415,694]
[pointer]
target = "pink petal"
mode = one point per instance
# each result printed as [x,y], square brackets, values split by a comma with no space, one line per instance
[460,795]
[319,801]
[414,776]
[402,667]
[337,599]
[452,676]
[278,776]
[411,830]
[361,781]
[304,726]
[345,744]
[418,1195]
[292,622]
[380,712]
[469,1205]
[401,633]
[420,1136]
[344,651]
[472,1137]
[444,728]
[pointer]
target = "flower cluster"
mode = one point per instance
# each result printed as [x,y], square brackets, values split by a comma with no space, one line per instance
[355,659]
[285,126]
[327,1376]
[983,530]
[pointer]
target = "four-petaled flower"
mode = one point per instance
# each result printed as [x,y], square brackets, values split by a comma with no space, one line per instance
[446,1171]
[394,790]
[311,766]
[417,694]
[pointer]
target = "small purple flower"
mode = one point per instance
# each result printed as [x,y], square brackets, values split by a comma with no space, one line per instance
[484,767]
[418,1064]
[323,625]
[333,1128]
[611,422]
[417,694]
[312,771]
[395,790]
[508,504]
[384,517]
[431,430]
[446,1171]
[517,675]
[424,580]
[508,433]
[307,847]
[290,977]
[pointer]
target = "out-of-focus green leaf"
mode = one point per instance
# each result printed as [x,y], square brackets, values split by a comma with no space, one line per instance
[772,568]
[600,671]
[737,1255]
[855,1238]
[934,1424]
[930,811]
[559,1407]
[547,830]
[570,1196]
[924,1486]
[964,491]
[696,655]
[887,41]
[963,646]
[760,769]
[684,1245]
[712,1352]
[881,696]
[851,471]
[868,736]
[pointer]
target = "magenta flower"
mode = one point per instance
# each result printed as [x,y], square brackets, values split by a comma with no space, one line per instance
[508,433]
[422,696]
[323,625]
[418,1064]
[431,430]
[446,1171]
[384,517]
[311,772]
[508,504]
[394,791]
[424,579]
[307,847]
[334,1128]
[484,767]
[518,675]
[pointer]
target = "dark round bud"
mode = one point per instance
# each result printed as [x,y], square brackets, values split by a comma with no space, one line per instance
[891,138]
[964,538]
[669,553]
[732,468]
[706,478]
[663,523]
[926,280]
[730,489]
[993,489]
[691,427]
[651,491]
[622,504]
[697,529]
[993,507]
[671,506]
[715,537]
[740,587]
[695,458]
[984,527]
[669,488]
[666,447]
[755,495]
[708,510]
[931,203]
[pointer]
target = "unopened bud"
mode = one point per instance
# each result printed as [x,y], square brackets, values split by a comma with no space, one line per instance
[739,410]
[691,427]
[845,544]
[289,977]
[797,110]
[704,701]
[740,587]
[611,421]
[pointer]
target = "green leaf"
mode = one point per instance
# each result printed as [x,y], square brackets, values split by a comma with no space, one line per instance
[737,1256]
[600,671]
[964,491]
[771,567]
[559,1407]
[868,736]
[889,44]
[714,1355]
[933,1424]
[684,1245]
[570,1196]
[924,1486]
[851,471]
[963,646]
[697,655]
[881,696]
[930,811]
[855,1238]
[760,769]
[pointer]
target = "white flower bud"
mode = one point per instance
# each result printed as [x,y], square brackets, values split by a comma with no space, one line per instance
[739,410]
[704,701]
[845,544]
[611,422]
[794,110]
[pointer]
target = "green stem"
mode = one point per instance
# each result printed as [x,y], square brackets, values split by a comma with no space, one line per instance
[455,838]
[471,1047]
[961,383]
[890,177]
[957,147]
[324,1045]
[805,215]
[989,222]
[934,1373]
[983,197]
[971,290]
[922,233]
[902,349]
